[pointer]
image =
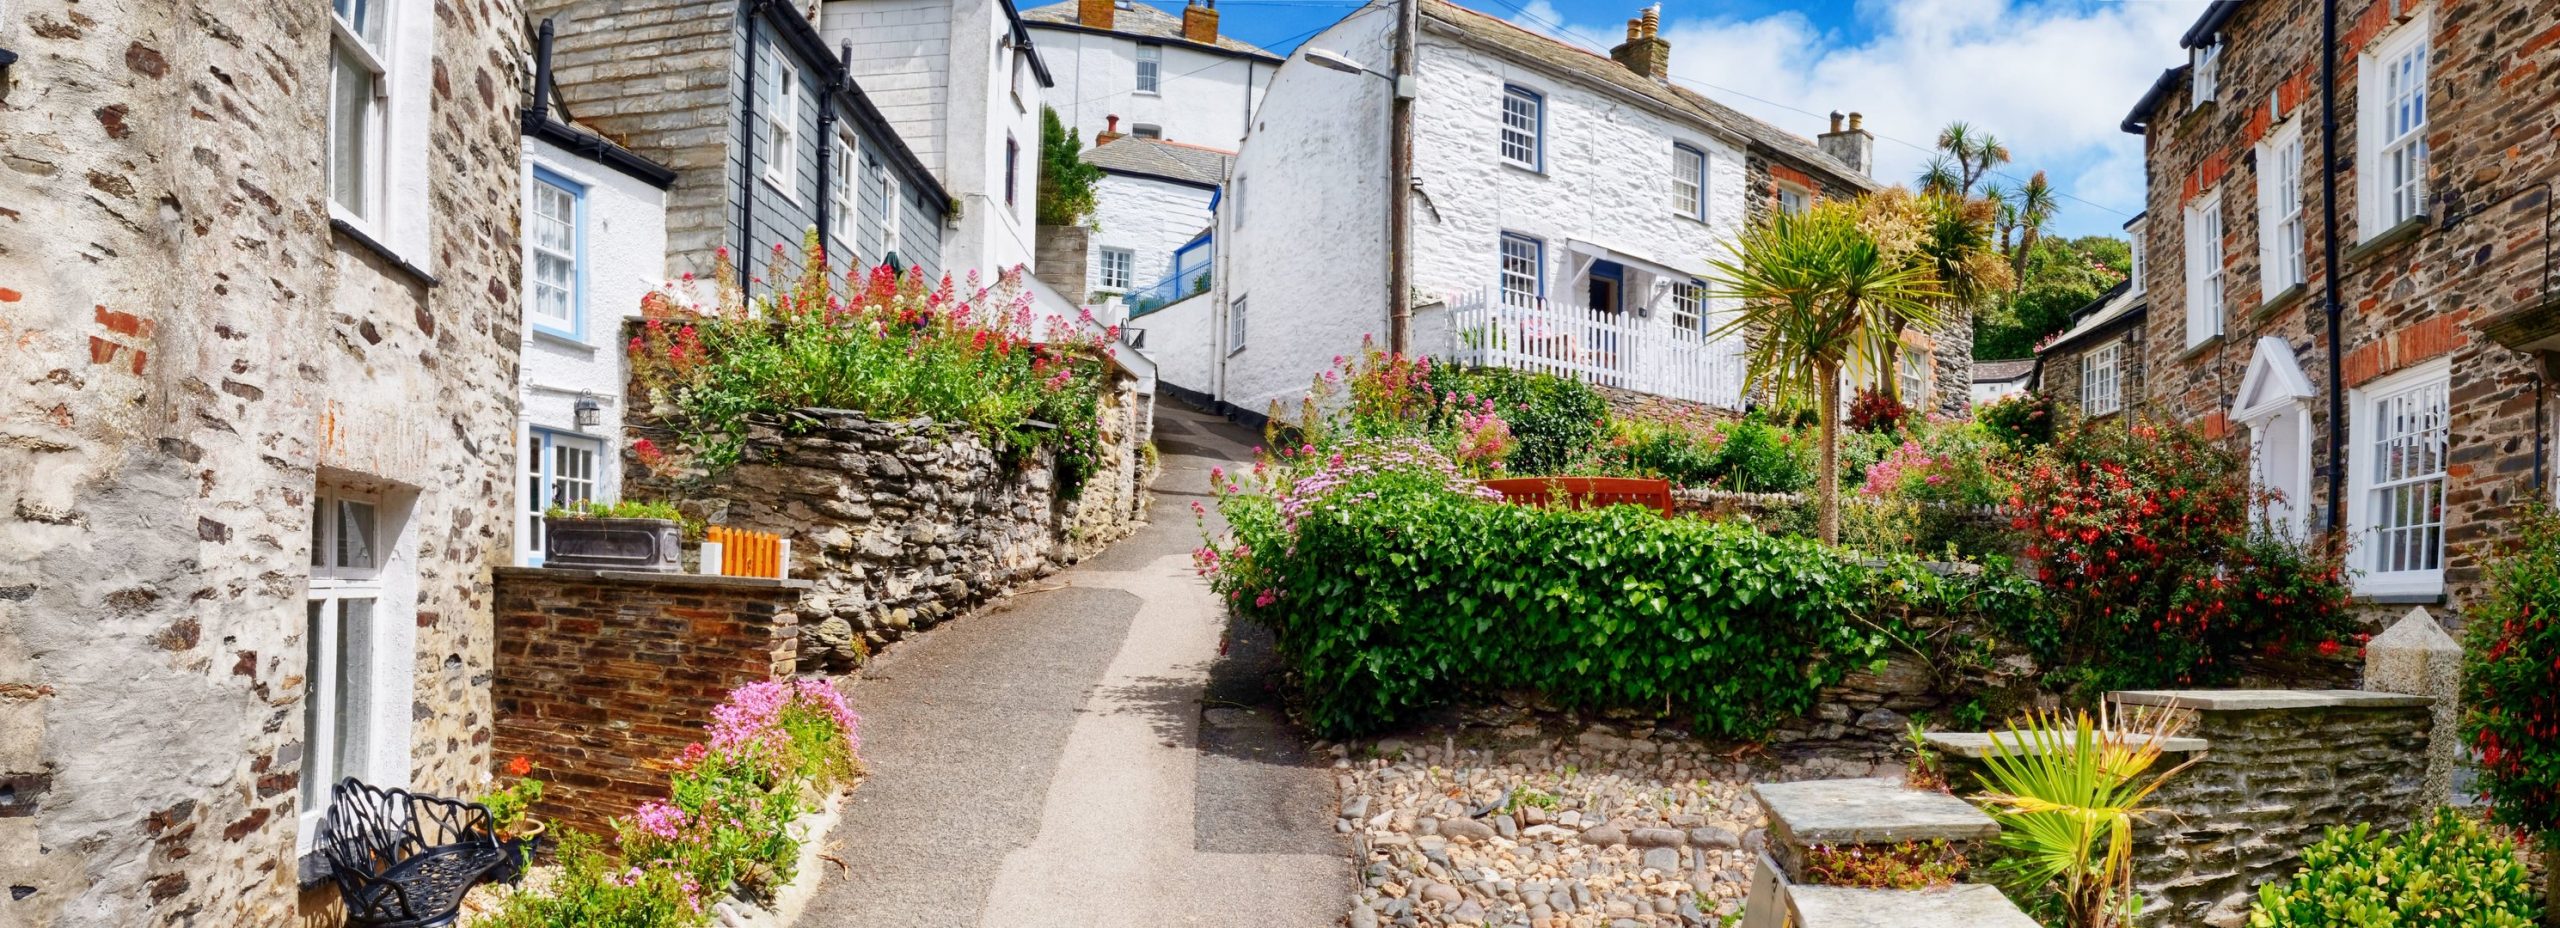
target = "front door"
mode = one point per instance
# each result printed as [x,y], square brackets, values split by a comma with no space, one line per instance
[1608,284]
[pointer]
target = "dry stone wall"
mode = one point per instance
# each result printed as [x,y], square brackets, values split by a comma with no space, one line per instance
[903,524]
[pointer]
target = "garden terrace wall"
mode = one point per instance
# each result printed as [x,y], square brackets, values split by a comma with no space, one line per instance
[901,525]
[604,675]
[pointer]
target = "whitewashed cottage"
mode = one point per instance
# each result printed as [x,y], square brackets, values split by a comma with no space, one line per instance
[1565,209]
[1155,75]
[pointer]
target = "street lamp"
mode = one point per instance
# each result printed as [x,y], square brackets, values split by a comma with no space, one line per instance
[1337,61]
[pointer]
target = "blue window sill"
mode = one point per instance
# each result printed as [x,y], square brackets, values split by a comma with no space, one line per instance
[561,338]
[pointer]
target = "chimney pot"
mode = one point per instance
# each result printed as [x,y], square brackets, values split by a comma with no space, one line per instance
[1835,120]
[1111,129]
[1644,52]
[1852,146]
[1652,20]
[1856,122]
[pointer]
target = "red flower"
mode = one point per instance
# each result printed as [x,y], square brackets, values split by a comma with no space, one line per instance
[520,766]
[2329,648]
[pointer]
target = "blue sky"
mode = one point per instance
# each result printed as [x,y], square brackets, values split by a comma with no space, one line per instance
[2050,78]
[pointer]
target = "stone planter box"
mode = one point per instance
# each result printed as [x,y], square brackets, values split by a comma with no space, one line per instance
[613,544]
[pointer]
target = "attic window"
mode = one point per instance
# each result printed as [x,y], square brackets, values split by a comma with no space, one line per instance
[1147,130]
[2207,59]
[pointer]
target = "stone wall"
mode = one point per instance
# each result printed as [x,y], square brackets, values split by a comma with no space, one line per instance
[192,349]
[602,675]
[902,525]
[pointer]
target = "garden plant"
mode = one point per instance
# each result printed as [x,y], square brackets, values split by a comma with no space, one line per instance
[2451,870]
[2511,678]
[2067,790]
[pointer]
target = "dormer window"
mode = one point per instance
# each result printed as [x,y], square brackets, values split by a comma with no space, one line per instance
[2206,60]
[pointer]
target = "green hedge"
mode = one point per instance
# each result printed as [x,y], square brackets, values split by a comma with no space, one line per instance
[2447,872]
[1412,599]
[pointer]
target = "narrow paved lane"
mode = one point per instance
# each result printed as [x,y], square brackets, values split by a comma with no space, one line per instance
[1049,764]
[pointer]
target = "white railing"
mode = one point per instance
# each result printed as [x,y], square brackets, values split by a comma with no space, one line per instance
[1622,350]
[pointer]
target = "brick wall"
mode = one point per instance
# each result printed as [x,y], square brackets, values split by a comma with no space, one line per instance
[2407,299]
[603,676]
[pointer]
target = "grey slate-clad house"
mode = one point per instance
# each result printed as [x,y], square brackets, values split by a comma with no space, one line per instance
[768,133]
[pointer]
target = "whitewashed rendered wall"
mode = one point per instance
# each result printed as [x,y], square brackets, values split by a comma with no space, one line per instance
[1182,339]
[902,60]
[1607,178]
[1990,392]
[1309,256]
[1148,217]
[626,257]
[1202,98]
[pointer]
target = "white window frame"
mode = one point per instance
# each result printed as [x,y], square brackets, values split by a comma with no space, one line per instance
[572,326]
[1523,138]
[1520,269]
[2401,572]
[1914,371]
[844,192]
[1116,264]
[2391,135]
[381,651]
[1689,181]
[893,211]
[1794,199]
[1150,70]
[365,45]
[2280,238]
[779,132]
[2138,272]
[2206,61]
[2102,379]
[1689,306]
[546,481]
[1235,326]
[2208,293]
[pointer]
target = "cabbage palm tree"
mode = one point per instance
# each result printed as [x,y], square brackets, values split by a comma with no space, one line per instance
[1820,295]
[2035,205]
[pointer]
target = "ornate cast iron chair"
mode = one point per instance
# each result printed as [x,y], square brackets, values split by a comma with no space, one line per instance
[403,860]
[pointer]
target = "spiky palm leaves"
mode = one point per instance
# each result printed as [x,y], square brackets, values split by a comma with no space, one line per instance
[2067,791]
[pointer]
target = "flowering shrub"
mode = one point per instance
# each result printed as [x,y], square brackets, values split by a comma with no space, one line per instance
[1759,457]
[2142,539]
[2023,421]
[892,347]
[1556,421]
[1909,865]
[1877,411]
[772,749]
[508,804]
[2512,672]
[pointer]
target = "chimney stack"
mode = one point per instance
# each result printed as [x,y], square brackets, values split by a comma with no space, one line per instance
[1645,53]
[1853,146]
[1110,130]
[1095,14]
[1200,22]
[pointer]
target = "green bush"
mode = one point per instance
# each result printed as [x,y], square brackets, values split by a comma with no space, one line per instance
[2448,872]
[1390,588]
[1759,457]
[1558,421]
[2023,422]
[2512,671]
[1642,448]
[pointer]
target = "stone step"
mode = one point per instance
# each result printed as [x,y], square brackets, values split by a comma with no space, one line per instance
[1965,905]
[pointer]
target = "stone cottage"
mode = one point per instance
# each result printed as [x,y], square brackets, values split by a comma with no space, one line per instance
[768,133]
[1565,209]
[2385,360]
[260,290]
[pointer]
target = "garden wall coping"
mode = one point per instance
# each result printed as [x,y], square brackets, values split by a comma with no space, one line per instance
[2263,700]
[1880,810]
[1976,745]
[1965,905]
[654,578]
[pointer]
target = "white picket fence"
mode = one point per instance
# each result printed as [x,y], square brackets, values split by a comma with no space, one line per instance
[1622,350]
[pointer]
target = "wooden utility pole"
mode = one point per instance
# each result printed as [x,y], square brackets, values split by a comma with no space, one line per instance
[1400,184]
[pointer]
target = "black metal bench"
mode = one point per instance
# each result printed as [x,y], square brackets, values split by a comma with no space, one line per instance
[404,860]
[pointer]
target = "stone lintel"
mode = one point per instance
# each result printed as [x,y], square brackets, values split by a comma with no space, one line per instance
[1976,745]
[666,578]
[1868,811]
[2263,700]
[1967,905]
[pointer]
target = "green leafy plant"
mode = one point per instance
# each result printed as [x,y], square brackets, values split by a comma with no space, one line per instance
[1066,180]
[1557,421]
[1909,865]
[1925,769]
[592,891]
[2067,791]
[509,804]
[618,509]
[1757,456]
[2023,422]
[2450,871]
[2511,672]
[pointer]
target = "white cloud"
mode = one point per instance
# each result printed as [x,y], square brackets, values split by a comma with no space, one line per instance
[2051,80]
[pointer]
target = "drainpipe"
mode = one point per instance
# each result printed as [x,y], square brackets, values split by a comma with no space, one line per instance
[2330,300]
[827,140]
[540,107]
[753,11]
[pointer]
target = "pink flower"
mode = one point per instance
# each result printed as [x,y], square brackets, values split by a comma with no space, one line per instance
[659,819]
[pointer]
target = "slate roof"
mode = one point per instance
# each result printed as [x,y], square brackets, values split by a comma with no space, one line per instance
[1174,161]
[1138,18]
[1513,42]
[2002,371]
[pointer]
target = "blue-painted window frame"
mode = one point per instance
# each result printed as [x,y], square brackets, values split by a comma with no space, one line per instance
[577,252]
[1538,153]
[1537,257]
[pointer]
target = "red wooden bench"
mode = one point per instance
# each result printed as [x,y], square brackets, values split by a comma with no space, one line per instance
[1586,492]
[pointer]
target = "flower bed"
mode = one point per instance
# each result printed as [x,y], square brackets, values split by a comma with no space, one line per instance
[775,751]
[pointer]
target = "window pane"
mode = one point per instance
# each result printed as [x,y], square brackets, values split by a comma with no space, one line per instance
[317,689]
[1519,270]
[1520,117]
[363,17]
[355,534]
[353,681]
[319,529]
[350,131]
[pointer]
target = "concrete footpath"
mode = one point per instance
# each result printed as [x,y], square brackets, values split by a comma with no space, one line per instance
[1100,751]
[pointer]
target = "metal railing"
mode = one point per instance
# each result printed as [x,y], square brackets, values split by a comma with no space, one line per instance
[1614,349]
[1174,288]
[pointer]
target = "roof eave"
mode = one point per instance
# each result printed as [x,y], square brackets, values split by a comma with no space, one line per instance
[2137,121]
[1261,56]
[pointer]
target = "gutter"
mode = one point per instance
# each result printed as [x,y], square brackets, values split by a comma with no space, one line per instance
[2331,305]
[2134,122]
[537,122]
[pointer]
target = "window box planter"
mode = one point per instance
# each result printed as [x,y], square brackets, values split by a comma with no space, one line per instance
[613,544]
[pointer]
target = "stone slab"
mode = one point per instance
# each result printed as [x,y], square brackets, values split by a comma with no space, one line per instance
[2262,700]
[1869,811]
[666,578]
[1976,745]
[1969,905]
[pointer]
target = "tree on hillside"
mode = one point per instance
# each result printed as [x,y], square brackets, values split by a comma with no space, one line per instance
[1066,181]
[2061,275]
[1965,156]
[1820,293]
[2026,210]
